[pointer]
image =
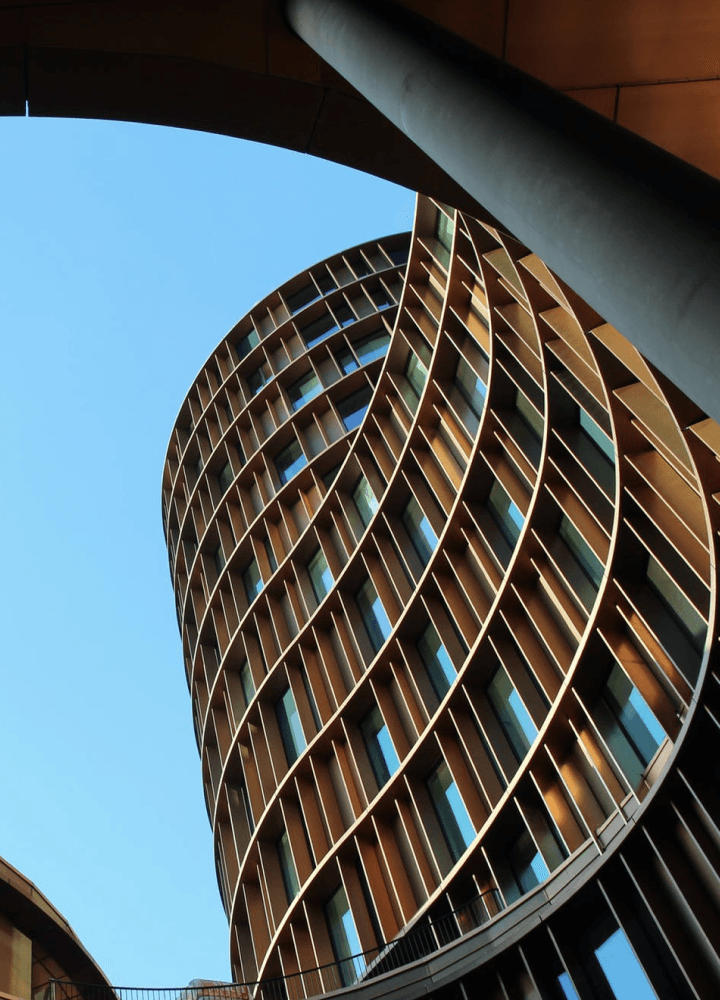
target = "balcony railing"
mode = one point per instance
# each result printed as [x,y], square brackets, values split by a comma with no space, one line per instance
[418,943]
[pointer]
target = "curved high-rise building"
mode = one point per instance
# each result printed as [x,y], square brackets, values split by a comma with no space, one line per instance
[448,607]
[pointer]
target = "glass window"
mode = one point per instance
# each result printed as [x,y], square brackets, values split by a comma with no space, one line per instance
[291,731]
[622,970]
[581,551]
[454,820]
[444,229]
[381,298]
[303,390]
[526,863]
[330,476]
[257,379]
[325,281]
[514,718]
[398,256]
[298,300]
[246,344]
[529,415]
[380,750]
[252,581]
[344,937]
[365,500]
[416,374]
[633,715]
[290,461]
[225,477]
[344,314]
[346,360]
[352,408]
[287,867]
[246,682]
[598,437]
[472,387]
[373,346]
[360,266]
[219,559]
[319,329]
[420,531]
[505,513]
[320,576]
[272,561]
[440,668]
[677,604]
[375,619]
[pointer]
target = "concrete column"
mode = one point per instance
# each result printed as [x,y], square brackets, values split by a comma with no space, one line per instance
[633,230]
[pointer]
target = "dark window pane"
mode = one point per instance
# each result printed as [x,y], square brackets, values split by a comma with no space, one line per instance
[352,409]
[290,727]
[252,581]
[257,379]
[319,329]
[303,390]
[505,513]
[287,867]
[298,300]
[246,344]
[290,461]
[374,616]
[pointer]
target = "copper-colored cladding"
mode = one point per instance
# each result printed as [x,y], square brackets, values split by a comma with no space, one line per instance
[233,67]
[645,517]
[37,944]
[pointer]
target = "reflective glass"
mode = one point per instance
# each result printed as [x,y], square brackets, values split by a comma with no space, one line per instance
[505,512]
[291,730]
[375,619]
[634,715]
[290,461]
[372,347]
[320,576]
[303,390]
[511,712]
[246,344]
[527,863]
[419,530]
[257,379]
[472,387]
[252,581]
[583,554]
[352,408]
[625,976]
[319,329]
[380,750]
[365,500]
[450,809]
[436,658]
[344,937]
[287,867]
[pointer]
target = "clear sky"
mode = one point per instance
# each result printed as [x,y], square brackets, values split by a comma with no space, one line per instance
[126,253]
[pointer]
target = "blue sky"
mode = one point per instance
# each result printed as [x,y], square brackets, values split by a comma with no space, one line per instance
[127,252]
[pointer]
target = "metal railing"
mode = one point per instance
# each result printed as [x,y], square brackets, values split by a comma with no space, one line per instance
[416,944]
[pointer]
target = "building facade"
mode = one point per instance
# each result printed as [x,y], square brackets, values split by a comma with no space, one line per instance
[448,608]
[37,945]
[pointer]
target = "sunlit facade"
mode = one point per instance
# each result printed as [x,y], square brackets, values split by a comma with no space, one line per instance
[444,560]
